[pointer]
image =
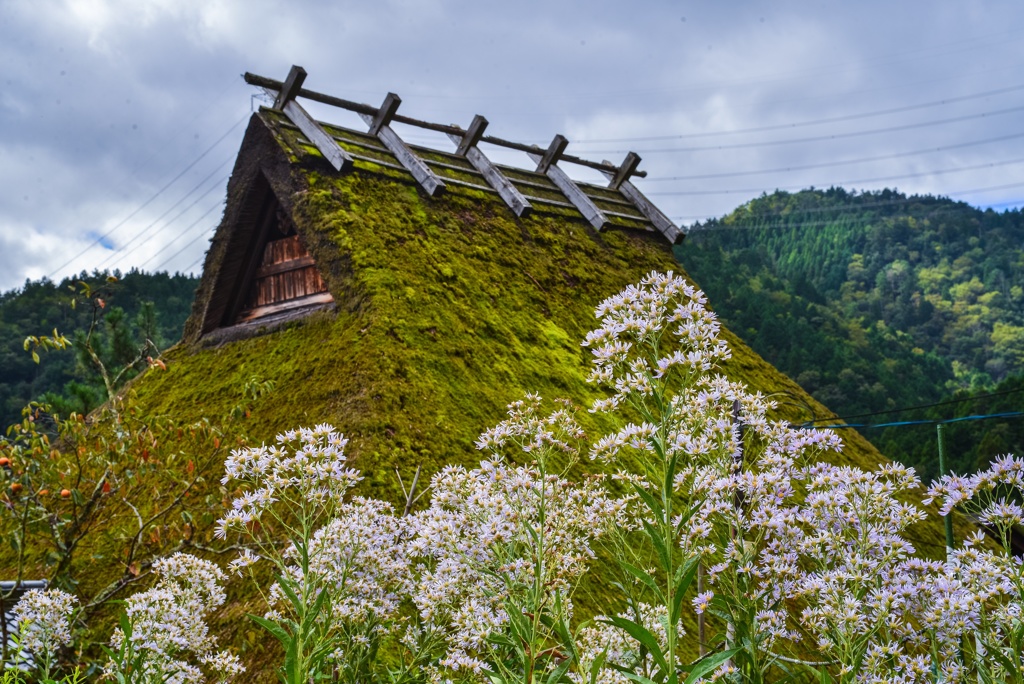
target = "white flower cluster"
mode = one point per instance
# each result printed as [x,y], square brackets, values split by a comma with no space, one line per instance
[168,622]
[306,467]
[847,558]
[1004,477]
[492,534]
[360,558]
[529,430]
[42,616]
[978,591]
[642,314]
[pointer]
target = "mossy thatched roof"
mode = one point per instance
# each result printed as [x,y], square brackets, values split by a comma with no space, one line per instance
[447,309]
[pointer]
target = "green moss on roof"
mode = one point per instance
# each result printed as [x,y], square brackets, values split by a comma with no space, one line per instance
[448,309]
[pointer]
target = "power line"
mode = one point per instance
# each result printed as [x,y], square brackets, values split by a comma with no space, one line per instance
[859,208]
[905,423]
[801,124]
[188,269]
[841,162]
[120,253]
[189,227]
[878,179]
[839,213]
[145,204]
[819,138]
[187,245]
[905,409]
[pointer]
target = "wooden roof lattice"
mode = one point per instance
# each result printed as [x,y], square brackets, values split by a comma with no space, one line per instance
[523,190]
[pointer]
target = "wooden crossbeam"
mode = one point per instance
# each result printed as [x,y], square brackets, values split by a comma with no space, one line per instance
[626,169]
[494,177]
[553,154]
[291,87]
[473,134]
[572,192]
[321,139]
[663,223]
[385,113]
[427,179]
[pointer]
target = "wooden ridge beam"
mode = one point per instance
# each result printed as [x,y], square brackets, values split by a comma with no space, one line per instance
[360,108]
[572,192]
[428,180]
[663,223]
[385,113]
[494,177]
[291,86]
[473,134]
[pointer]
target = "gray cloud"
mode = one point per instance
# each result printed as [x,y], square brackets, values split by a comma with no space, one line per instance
[103,103]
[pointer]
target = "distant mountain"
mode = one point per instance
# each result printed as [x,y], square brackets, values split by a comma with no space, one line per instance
[873,301]
[138,305]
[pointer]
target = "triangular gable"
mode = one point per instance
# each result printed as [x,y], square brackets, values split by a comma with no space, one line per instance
[267,274]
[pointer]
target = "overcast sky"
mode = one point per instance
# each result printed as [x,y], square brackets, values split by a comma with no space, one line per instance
[119,120]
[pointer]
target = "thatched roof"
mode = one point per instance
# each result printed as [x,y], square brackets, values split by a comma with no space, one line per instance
[445,309]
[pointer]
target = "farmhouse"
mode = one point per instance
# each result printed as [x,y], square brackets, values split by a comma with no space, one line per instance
[407,294]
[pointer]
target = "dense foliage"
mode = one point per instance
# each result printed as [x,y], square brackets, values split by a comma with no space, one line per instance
[139,305]
[795,569]
[872,300]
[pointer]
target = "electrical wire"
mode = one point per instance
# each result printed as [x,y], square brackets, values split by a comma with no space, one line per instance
[120,252]
[801,124]
[820,138]
[907,201]
[905,423]
[905,409]
[189,227]
[840,162]
[186,246]
[877,179]
[149,201]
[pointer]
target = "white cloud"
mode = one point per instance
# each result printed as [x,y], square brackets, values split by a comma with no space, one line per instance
[103,102]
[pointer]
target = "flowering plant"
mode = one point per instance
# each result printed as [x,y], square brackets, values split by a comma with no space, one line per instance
[501,549]
[790,565]
[164,627]
[980,592]
[43,619]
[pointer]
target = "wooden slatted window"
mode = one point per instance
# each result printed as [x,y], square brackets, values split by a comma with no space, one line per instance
[286,278]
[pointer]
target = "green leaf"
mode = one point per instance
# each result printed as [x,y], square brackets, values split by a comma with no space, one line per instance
[641,634]
[314,611]
[707,664]
[670,474]
[685,518]
[659,544]
[683,580]
[639,679]
[286,587]
[645,578]
[597,665]
[559,672]
[277,630]
[651,502]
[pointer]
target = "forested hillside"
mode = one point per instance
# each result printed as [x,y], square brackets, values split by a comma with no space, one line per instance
[135,307]
[871,301]
[874,301]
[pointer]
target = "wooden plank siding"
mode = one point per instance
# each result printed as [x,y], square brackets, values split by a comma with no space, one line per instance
[286,273]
